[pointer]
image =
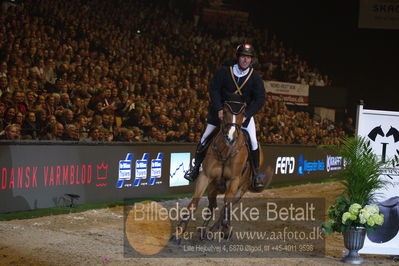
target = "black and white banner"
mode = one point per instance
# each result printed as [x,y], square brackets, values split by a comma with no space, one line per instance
[382,129]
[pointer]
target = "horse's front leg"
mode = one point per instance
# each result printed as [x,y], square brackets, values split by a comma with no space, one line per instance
[229,200]
[202,184]
[208,213]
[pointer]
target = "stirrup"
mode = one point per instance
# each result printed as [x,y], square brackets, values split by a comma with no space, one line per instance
[191,174]
[257,182]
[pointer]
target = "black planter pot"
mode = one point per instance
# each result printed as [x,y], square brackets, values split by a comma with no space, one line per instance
[354,240]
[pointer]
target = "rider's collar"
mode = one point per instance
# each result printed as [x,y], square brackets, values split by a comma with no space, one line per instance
[238,73]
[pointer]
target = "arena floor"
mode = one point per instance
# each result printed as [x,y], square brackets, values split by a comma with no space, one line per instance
[96,237]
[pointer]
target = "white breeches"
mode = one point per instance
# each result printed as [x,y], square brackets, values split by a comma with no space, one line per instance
[251,129]
[208,130]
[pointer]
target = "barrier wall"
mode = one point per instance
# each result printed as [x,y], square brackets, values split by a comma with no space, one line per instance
[38,175]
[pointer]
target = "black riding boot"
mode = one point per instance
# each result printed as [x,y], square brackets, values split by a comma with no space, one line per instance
[192,174]
[257,180]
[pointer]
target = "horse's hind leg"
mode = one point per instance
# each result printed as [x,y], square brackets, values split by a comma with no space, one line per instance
[201,185]
[208,214]
[225,213]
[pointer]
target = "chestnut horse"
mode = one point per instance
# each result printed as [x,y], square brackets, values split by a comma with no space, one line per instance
[225,165]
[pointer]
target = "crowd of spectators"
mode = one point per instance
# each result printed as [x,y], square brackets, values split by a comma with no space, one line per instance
[98,71]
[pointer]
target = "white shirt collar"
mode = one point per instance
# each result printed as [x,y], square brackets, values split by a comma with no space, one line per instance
[237,72]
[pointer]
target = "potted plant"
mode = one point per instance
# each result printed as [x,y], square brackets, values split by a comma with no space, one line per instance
[352,212]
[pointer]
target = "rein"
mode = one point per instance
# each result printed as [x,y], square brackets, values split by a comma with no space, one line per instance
[229,155]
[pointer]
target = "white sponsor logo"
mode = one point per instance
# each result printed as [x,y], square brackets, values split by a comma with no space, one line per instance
[285,165]
[334,163]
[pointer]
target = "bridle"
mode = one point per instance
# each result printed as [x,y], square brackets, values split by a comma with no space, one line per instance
[232,150]
[237,126]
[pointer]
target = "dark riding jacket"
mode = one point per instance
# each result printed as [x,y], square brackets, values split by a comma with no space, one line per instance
[222,84]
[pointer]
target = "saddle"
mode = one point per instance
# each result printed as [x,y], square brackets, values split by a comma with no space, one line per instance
[390,227]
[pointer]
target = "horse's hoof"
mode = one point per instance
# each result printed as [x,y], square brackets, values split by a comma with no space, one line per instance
[175,240]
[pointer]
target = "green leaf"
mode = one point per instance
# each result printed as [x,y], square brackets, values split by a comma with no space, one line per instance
[327,227]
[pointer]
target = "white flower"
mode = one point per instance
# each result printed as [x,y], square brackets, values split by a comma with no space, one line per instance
[346,216]
[362,220]
[372,208]
[364,215]
[370,222]
[354,208]
[370,215]
[378,218]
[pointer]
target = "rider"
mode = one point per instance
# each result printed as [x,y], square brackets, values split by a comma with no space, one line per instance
[238,78]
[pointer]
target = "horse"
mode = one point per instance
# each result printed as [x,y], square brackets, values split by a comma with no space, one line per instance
[225,166]
[393,132]
[374,132]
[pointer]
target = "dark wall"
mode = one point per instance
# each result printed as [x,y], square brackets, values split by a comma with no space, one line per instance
[330,97]
[37,176]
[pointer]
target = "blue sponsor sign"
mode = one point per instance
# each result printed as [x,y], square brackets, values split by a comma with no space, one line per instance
[141,169]
[156,169]
[125,170]
[305,166]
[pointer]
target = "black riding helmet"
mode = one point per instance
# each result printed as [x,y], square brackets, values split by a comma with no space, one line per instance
[245,49]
